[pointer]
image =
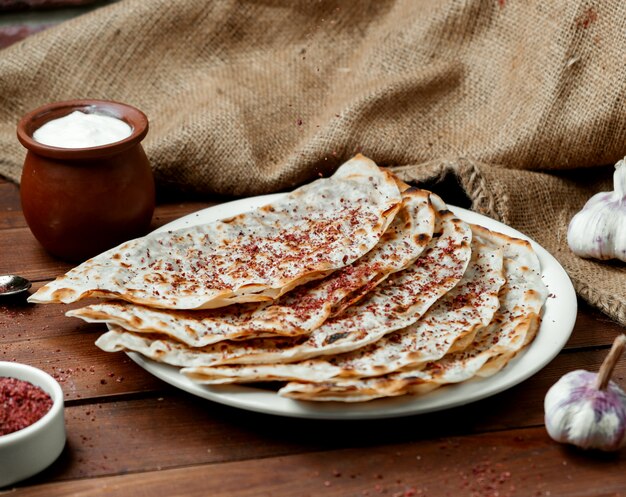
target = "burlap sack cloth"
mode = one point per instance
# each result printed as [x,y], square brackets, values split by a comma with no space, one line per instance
[249,97]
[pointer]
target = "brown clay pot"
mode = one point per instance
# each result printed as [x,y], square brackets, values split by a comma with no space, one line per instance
[79,202]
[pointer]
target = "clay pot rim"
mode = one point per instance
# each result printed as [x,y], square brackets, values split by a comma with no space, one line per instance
[136,119]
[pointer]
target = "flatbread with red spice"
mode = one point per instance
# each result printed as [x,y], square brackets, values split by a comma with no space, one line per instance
[396,303]
[454,318]
[514,325]
[296,313]
[253,257]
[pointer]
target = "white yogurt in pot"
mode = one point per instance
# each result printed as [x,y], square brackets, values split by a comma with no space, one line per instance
[82,130]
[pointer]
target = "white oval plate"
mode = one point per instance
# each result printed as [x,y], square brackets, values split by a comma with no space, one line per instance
[556,327]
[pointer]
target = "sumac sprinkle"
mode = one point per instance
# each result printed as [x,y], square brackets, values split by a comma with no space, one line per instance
[21,404]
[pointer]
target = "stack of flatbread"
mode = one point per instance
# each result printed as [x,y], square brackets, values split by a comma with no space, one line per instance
[349,288]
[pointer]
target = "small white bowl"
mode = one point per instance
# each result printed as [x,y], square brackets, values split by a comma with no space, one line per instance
[28,451]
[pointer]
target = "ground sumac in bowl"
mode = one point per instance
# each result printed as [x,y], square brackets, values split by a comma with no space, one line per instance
[21,404]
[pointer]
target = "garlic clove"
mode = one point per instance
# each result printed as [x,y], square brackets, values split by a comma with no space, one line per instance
[576,412]
[599,229]
[587,409]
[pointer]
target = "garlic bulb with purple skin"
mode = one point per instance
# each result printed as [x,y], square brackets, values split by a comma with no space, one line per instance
[598,230]
[587,409]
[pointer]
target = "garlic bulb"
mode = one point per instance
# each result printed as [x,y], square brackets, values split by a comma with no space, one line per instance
[598,230]
[587,409]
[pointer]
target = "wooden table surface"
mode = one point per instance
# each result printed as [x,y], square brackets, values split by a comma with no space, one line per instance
[131,434]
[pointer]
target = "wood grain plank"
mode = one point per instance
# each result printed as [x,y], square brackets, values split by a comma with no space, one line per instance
[22,321]
[166,213]
[592,328]
[512,463]
[20,253]
[82,369]
[10,207]
[165,434]
[174,423]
